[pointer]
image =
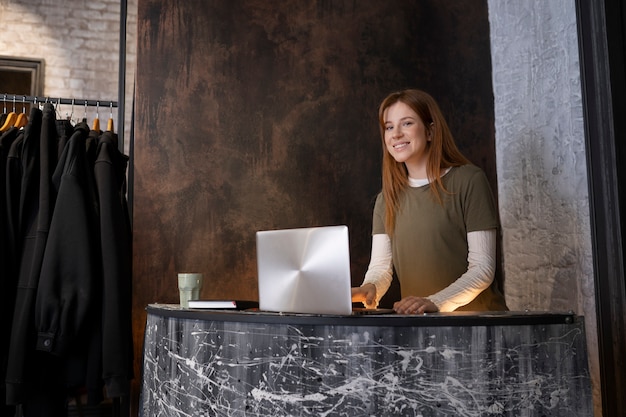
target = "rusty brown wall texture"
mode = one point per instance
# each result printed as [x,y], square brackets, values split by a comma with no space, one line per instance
[257,114]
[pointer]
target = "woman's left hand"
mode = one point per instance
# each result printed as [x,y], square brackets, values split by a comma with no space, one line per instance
[415,305]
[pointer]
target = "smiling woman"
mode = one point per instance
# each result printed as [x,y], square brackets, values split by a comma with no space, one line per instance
[435,220]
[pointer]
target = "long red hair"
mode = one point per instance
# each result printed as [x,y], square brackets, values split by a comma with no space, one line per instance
[442,151]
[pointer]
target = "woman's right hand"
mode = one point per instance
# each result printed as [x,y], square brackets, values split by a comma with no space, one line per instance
[365,294]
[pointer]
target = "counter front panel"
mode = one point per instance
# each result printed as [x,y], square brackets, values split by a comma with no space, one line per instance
[206,363]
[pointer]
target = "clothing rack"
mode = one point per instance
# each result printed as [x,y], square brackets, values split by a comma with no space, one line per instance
[14,98]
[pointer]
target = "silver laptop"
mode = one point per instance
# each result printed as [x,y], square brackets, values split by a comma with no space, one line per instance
[304,270]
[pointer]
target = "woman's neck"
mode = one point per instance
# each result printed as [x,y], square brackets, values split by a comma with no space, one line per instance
[420,182]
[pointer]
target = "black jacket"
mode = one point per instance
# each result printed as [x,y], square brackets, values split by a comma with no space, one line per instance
[68,286]
[68,304]
[8,278]
[30,238]
[115,230]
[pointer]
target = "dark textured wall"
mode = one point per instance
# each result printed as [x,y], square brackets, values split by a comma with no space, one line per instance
[256,115]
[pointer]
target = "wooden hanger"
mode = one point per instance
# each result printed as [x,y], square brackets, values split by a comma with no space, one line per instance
[110,121]
[96,120]
[11,118]
[10,121]
[22,119]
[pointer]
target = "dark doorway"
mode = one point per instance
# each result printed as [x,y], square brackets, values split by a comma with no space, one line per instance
[19,78]
[602,33]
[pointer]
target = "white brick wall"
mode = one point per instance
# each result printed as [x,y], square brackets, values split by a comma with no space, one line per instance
[79,43]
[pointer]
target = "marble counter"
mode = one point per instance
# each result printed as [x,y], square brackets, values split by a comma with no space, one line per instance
[219,363]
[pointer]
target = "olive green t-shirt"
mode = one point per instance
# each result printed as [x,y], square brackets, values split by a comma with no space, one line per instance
[429,243]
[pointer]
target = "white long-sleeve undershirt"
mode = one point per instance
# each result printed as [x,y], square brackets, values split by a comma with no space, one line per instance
[479,275]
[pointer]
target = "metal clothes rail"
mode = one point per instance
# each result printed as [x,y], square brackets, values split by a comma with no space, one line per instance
[17,99]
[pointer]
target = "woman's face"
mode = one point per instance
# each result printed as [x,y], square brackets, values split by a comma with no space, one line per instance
[406,138]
